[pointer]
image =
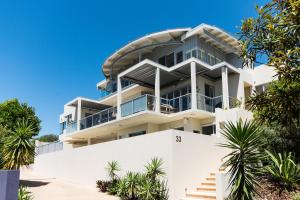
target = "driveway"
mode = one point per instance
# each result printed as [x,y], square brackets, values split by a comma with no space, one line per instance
[47,188]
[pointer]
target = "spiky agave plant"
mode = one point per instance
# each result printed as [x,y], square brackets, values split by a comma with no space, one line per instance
[154,169]
[244,141]
[18,148]
[112,168]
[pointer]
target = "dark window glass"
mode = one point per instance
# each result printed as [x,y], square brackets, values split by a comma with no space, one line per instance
[208,130]
[137,133]
[170,60]
[179,128]
[179,57]
[194,53]
[162,60]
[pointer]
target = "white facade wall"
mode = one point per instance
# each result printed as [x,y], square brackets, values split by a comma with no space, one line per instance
[187,162]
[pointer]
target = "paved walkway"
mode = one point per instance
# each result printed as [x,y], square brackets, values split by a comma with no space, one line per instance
[45,188]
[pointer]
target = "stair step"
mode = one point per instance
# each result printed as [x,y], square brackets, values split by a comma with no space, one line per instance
[209,183]
[212,174]
[206,188]
[207,195]
[211,178]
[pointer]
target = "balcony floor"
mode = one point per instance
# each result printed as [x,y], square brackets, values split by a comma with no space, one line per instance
[107,129]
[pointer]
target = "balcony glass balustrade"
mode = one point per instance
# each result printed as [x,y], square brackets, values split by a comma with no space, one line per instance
[101,117]
[147,103]
[142,103]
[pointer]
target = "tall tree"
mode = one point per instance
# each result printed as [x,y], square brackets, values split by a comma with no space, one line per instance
[275,35]
[12,112]
[48,138]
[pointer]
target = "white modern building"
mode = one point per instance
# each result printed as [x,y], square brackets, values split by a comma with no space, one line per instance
[174,89]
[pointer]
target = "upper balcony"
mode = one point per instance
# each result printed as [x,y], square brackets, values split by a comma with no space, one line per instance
[157,77]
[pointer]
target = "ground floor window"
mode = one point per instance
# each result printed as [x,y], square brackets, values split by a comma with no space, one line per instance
[209,129]
[136,133]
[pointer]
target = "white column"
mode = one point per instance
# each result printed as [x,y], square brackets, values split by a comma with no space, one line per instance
[78,114]
[119,97]
[225,91]
[157,90]
[89,141]
[193,86]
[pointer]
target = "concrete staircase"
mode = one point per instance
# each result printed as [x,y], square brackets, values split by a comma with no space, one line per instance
[205,191]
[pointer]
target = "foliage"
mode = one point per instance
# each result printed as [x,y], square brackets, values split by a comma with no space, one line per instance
[146,186]
[23,194]
[275,35]
[18,148]
[103,185]
[112,169]
[12,112]
[283,170]
[296,196]
[244,141]
[48,138]
[154,169]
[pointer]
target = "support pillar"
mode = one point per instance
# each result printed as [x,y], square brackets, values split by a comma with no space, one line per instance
[193,86]
[157,90]
[225,90]
[119,97]
[78,114]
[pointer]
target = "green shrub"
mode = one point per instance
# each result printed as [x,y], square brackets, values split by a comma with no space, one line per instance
[134,186]
[23,194]
[296,196]
[283,170]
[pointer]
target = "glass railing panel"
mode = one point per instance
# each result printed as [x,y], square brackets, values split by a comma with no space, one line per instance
[150,102]
[139,104]
[217,102]
[71,127]
[127,108]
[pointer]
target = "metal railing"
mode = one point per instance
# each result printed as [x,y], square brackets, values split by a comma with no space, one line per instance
[211,103]
[48,148]
[103,116]
[141,103]
[176,104]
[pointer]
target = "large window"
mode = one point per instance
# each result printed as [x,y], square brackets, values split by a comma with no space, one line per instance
[179,57]
[168,60]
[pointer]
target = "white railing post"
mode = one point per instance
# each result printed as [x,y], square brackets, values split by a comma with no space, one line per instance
[78,114]
[157,90]
[225,88]
[193,86]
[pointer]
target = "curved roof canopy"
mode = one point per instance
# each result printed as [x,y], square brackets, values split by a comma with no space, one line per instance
[129,54]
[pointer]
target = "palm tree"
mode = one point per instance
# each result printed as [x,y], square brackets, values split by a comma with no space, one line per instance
[18,148]
[244,141]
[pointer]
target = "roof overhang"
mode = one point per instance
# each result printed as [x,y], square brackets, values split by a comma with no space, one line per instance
[143,73]
[146,44]
[87,103]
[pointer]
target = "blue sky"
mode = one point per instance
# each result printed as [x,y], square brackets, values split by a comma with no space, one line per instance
[52,51]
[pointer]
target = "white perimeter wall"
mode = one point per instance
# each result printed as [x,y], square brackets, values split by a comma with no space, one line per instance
[187,163]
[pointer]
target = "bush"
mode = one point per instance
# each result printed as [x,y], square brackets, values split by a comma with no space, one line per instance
[23,194]
[283,170]
[296,196]
[103,185]
[133,186]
